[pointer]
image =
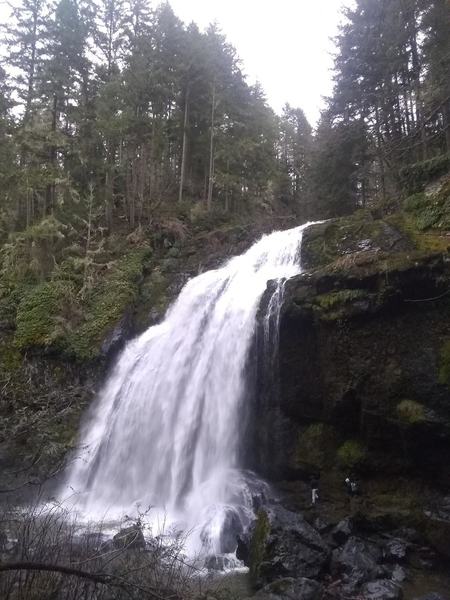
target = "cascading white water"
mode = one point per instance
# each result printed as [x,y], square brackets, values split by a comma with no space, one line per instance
[166,428]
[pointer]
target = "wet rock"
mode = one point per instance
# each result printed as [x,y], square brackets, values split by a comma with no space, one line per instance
[395,550]
[398,574]
[243,549]
[116,338]
[220,562]
[358,559]
[231,529]
[432,596]
[290,589]
[342,531]
[408,534]
[293,548]
[382,589]
[130,538]
[321,525]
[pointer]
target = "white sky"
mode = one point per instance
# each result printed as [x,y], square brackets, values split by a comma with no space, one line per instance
[283,44]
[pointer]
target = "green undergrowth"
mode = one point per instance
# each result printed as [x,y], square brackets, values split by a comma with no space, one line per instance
[73,313]
[430,211]
[105,305]
[416,176]
[43,315]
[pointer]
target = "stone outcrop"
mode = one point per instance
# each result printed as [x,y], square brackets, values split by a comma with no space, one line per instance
[362,360]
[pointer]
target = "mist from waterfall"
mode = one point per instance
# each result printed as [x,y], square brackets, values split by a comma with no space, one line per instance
[166,429]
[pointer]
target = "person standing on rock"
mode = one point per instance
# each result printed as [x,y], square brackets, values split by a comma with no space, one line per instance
[351,486]
[314,491]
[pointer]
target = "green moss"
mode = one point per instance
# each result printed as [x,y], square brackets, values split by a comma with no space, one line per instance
[106,305]
[430,211]
[351,454]
[41,315]
[410,412]
[258,544]
[335,305]
[428,241]
[416,176]
[444,364]
[326,242]
[334,299]
[153,296]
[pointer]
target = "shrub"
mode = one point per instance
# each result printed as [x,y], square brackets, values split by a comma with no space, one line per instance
[316,445]
[351,454]
[410,412]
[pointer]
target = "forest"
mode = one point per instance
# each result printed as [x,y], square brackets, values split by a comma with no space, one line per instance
[114,111]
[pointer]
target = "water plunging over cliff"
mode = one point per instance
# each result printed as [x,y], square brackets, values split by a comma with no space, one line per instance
[166,429]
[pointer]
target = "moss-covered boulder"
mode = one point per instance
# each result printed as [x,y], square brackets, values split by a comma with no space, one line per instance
[326,242]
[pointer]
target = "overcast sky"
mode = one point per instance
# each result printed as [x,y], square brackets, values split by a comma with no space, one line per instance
[284,44]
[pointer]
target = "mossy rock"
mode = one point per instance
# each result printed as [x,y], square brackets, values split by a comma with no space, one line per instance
[258,542]
[325,243]
[336,304]
[153,298]
[351,455]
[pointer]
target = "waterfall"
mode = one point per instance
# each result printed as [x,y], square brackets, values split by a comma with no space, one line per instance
[166,429]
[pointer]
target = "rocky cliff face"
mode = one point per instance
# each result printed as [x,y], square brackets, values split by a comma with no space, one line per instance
[363,353]
[360,387]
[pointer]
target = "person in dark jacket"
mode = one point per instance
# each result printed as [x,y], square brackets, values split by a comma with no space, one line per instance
[351,486]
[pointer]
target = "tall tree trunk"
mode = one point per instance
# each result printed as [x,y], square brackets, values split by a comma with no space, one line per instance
[51,187]
[416,68]
[184,149]
[211,151]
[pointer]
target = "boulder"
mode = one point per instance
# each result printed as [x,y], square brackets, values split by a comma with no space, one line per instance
[290,589]
[343,530]
[398,574]
[382,589]
[357,558]
[130,538]
[293,548]
[220,562]
[231,530]
[395,550]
